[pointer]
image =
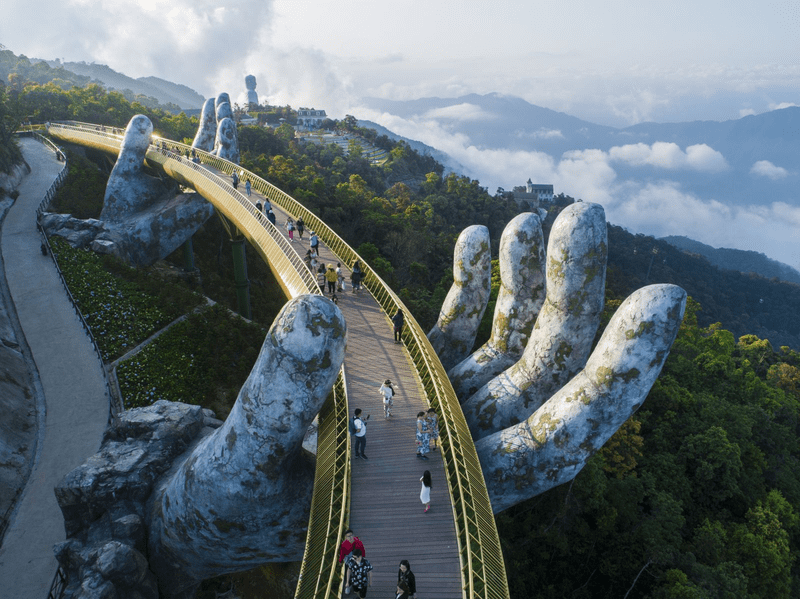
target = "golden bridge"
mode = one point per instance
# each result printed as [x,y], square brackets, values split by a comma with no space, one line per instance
[454,549]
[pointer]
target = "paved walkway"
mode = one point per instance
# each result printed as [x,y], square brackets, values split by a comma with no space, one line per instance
[71,375]
[385,509]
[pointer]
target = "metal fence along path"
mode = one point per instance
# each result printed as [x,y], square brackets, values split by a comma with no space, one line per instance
[454,549]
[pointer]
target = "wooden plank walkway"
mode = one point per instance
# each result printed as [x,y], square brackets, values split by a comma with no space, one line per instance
[385,511]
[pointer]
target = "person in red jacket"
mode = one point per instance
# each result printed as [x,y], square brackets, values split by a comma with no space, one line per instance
[350,542]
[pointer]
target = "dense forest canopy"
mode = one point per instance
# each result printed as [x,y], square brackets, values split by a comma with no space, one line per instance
[697,495]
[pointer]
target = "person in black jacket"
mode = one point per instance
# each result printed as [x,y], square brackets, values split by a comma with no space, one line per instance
[398,322]
[406,576]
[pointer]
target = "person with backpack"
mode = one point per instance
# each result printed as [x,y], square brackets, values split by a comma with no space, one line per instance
[358,428]
[356,275]
[387,392]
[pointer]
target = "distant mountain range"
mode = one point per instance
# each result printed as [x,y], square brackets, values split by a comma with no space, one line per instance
[164,91]
[496,121]
[741,260]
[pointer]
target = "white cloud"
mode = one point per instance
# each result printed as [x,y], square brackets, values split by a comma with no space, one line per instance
[668,155]
[746,112]
[661,209]
[459,112]
[766,169]
[781,106]
[542,133]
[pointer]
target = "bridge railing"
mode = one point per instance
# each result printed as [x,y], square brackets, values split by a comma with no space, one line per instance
[482,568]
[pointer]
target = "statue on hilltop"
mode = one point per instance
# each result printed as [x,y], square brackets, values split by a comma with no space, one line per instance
[252,96]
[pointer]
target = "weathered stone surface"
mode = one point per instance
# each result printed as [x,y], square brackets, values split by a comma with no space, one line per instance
[565,328]
[134,452]
[104,500]
[207,129]
[227,144]
[18,424]
[522,292]
[10,181]
[79,233]
[223,112]
[454,333]
[552,446]
[242,497]
[143,220]
[18,431]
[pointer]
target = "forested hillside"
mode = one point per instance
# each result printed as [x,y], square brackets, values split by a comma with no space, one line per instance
[697,496]
[741,260]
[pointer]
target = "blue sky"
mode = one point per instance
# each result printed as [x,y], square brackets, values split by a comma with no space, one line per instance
[617,62]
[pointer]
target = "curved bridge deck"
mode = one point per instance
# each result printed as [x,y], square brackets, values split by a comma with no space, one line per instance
[453,549]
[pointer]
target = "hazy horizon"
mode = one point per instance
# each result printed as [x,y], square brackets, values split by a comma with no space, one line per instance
[613,64]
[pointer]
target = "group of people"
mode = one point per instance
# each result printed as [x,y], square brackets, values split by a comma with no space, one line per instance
[358,570]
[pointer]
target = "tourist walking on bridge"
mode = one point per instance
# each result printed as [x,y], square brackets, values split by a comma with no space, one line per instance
[350,543]
[398,321]
[433,428]
[387,392]
[425,492]
[359,576]
[301,226]
[290,228]
[406,577]
[330,277]
[423,436]
[360,434]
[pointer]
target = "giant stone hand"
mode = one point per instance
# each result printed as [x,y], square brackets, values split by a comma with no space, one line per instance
[145,219]
[239,499]
[536,403]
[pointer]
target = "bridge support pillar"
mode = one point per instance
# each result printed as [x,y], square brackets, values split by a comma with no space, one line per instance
[188,255]
[240,277]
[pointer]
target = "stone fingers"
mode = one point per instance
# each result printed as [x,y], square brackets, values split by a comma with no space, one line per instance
[553,444]
[562,337]
[235,498]
[207,130]
[454,333]
[522,292]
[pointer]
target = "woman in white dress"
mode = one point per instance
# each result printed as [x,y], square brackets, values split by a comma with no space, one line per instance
[425,493]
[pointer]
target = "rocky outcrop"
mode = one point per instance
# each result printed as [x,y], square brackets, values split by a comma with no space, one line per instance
[18,430]
[104,500]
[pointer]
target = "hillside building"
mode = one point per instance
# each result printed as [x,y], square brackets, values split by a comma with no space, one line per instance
[309,118]
[533,195]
